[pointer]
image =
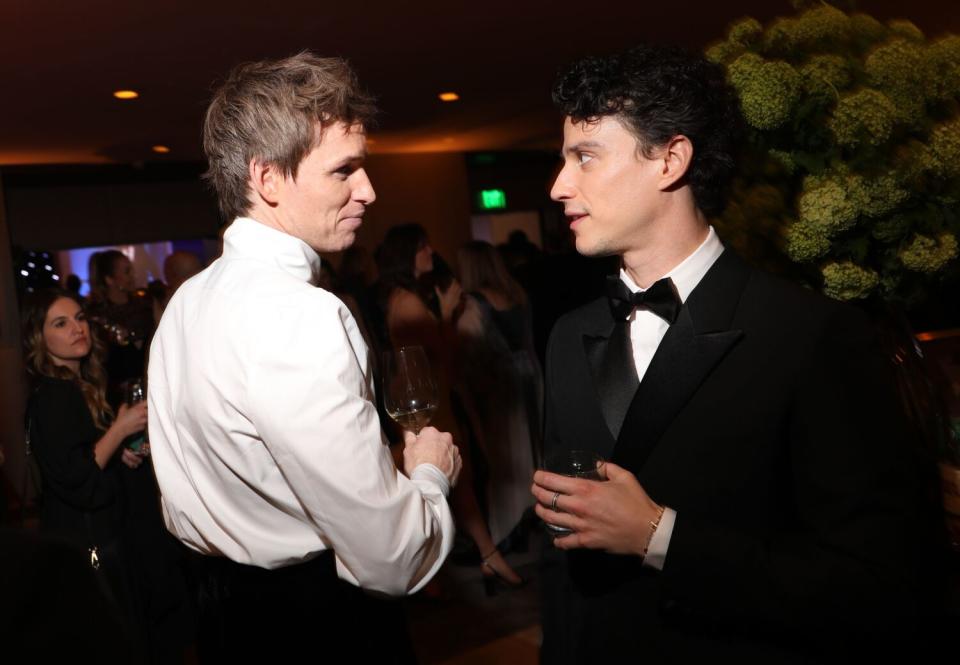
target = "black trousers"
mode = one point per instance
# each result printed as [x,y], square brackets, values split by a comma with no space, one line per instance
[250,614]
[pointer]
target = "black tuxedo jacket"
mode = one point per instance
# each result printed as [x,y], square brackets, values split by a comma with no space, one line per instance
[767,419]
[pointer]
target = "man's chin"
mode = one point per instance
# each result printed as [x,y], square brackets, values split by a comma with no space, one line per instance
[592,249]
[342,242]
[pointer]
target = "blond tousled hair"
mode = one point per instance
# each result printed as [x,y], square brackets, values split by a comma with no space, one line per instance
[270,110]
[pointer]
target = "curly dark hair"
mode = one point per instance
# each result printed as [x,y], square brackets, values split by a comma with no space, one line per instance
[658,93]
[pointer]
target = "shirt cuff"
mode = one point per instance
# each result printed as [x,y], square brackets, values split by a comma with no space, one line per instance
[660,540]
[432,474]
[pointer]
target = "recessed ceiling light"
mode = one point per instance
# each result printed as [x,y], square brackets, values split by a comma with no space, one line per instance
[126,94]
[162,149]
[449,96]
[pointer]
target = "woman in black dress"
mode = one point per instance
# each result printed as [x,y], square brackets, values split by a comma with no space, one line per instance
[502,383]
[74,435]
[421,309]
[123,318]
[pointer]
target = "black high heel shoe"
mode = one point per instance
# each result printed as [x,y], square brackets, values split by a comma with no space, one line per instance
[493,577]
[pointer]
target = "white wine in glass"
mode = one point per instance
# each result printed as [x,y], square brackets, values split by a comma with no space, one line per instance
[409,391]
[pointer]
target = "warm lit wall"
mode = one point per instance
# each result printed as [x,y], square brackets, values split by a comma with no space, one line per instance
[63,215]
[428,188]
[90,210]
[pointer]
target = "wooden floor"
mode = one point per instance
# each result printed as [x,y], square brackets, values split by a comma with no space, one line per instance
[465,626]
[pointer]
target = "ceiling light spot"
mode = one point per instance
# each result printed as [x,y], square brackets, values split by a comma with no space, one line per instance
[160,149]
[126,94]
[449,96]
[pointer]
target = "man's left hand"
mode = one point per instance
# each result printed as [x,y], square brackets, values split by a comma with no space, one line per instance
[614,515]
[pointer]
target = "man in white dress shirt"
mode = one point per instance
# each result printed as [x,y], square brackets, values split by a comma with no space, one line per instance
[263,428]
[759,504]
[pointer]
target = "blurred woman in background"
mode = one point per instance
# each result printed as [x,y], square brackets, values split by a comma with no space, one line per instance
[123,318]
[421,311]
[503,383]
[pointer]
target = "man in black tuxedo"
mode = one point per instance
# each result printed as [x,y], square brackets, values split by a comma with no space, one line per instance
[759,499]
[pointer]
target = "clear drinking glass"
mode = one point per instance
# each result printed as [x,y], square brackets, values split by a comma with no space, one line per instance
[409,391]
[575,464]
[133,392]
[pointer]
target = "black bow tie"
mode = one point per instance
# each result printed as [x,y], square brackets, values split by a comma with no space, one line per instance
[661,299]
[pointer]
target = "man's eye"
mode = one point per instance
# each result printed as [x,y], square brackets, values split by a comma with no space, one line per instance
[583,158]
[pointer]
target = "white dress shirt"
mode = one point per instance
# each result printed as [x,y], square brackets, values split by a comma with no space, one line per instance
[264,434]
[646,332]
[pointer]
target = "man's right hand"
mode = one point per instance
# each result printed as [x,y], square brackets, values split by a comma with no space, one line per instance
[432,446]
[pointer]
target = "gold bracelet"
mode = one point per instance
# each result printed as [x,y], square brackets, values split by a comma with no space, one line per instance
[654,523]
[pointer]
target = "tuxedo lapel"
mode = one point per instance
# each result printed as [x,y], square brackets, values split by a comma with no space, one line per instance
[603,348]
[614,374]
[693,346]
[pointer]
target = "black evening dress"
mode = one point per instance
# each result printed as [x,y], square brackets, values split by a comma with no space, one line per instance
[81,502]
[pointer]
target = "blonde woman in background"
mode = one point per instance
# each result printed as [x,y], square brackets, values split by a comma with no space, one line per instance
[503,383]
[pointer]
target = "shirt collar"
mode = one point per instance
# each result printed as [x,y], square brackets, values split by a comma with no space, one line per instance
[688,273]
[248,238]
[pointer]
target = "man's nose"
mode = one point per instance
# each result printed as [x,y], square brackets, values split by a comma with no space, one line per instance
[561,189]
[363,191]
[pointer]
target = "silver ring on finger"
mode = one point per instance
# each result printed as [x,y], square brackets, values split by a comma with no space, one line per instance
[553,504]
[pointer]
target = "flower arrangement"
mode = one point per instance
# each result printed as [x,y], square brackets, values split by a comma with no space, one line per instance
[852,172]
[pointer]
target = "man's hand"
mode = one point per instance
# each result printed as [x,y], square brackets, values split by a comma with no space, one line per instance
[614,515]
[432,446]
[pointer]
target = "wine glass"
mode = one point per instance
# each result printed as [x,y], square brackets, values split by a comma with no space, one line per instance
[409,391]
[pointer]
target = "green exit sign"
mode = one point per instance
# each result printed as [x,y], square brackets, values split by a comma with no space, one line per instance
[492,199]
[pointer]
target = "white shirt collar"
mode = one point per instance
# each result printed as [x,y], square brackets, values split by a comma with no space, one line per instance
[248,238]
[688,273]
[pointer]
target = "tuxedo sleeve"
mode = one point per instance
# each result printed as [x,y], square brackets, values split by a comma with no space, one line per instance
[843,559]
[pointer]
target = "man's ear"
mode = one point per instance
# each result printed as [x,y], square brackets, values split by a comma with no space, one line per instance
[266,181]
[676,157]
